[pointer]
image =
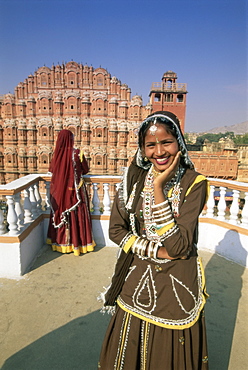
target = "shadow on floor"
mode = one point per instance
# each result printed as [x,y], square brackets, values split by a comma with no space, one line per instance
[73,346]
[224,285]
[47,255]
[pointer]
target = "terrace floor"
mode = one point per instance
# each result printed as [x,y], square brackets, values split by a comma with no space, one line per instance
[50,318]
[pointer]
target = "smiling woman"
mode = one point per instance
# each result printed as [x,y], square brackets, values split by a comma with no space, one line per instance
[157,293]
[160,147]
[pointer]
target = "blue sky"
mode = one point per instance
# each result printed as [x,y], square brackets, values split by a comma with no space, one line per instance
[203,41]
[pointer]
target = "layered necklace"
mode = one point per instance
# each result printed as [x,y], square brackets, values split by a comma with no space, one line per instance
[148,200]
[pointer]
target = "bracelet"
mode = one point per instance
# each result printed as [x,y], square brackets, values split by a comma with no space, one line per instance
[150,249]
[139,246]
[155,250]
[160,205]
[161,211]
[134,246]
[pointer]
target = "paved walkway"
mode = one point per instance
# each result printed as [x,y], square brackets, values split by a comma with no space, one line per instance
[50,318]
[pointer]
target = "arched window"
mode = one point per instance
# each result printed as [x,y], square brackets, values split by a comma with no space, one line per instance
[99,81]
[72,78]
[44,131]
[98,132]
[98,160]
[43,79]
[99,105]
[169,84]
[44,159]
[44,104]
[72,104]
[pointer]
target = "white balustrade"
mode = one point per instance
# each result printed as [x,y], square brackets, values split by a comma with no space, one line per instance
[47,197]
[38,198]
[244,219]
[234,209]
[27,207]
[210,202]
[19,210]
[2,225]
[95,200]
[222,204]
[106,200]
[12,216]
[33,202]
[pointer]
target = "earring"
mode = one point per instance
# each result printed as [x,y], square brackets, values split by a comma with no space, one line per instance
[145,159]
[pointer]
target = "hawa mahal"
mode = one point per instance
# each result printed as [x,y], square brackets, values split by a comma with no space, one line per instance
[95,106]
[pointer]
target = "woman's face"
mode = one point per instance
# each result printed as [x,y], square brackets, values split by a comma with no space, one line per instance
[160,148]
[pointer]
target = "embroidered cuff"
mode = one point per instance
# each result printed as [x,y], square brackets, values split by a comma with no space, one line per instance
[128,244]
[164,229]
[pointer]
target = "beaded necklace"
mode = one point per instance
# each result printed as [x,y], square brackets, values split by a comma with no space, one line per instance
[148,200]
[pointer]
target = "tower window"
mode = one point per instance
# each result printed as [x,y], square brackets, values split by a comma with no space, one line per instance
[169,98]
[157,97]
[180,98]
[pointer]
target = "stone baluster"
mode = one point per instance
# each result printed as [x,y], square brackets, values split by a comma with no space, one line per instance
[38,198]
[12,216]
[19,210]
[33,201]
[244,218]
[2,226]
[47,199]
[27,207]
[106,200]
[210,202]
[95,200]
[234,209]
[222,204]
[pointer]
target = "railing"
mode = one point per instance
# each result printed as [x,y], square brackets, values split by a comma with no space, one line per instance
[228,201]
[25,199]
[175,86]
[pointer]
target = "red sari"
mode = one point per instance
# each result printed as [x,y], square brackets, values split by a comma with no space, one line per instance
[70,227]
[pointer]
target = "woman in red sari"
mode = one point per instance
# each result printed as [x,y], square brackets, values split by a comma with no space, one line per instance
[70,227]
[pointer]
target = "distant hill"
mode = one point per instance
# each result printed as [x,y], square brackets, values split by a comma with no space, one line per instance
[238,129]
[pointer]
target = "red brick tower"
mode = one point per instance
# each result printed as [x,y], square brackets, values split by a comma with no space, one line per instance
[169,95]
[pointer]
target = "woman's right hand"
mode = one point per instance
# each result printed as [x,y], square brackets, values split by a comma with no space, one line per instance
[165,176]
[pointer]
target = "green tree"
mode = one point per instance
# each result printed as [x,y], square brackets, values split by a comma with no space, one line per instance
[241,139]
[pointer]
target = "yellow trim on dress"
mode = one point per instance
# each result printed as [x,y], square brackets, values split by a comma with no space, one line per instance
[165,228]
[70,248]
[129,243]
[198,179]
[81,154]
[173,326]
[123,339]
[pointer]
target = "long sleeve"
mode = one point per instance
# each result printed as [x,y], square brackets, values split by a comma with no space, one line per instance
[119,222]
[179,235]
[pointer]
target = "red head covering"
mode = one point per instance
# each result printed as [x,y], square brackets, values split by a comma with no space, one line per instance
[63,173]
